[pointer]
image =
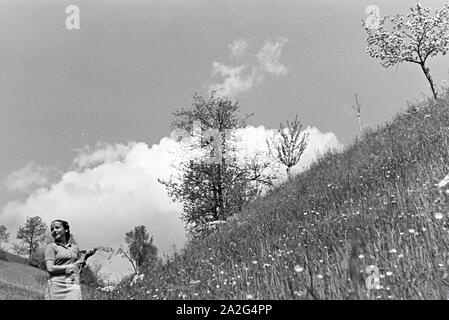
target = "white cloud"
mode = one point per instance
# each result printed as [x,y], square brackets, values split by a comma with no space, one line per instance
[103,202]
[114,188]
[29,178]
[254,141]
[270,54]
[234,81]
[240,79]
[238,48]
[102,153]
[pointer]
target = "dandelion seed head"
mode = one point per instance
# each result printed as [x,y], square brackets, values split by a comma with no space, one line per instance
[298,268]
[438,215]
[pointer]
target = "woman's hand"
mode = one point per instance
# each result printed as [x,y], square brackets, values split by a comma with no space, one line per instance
[72,269]
[80,263]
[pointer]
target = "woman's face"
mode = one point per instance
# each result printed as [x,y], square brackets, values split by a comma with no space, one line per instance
[57,231]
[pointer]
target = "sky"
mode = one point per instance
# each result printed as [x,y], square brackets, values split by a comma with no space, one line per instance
[85,115]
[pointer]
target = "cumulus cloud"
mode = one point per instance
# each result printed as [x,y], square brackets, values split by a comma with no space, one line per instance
[29,178]
[240,79]
[115,187]
[253,141]
[102,153]
[110,197]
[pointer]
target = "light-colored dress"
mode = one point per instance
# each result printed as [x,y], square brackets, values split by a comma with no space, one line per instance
[63,286]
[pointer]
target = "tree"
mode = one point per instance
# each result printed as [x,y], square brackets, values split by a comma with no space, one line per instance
[358,109]
[19,249]
[289,144]
[140,251]
[32,233]
[413,38]
[4,235]
[214,180]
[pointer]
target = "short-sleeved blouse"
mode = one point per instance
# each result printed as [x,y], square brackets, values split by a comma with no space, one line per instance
[62,254]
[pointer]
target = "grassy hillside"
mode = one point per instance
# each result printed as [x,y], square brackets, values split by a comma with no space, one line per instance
[20,281]
[314,237]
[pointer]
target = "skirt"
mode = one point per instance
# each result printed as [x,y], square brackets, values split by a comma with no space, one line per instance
[63,288]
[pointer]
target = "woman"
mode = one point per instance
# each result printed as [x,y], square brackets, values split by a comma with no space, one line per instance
[64,262]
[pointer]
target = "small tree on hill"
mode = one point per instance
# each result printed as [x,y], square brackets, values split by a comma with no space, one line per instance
[140,250]
[32,233]
[412,38]
[4,235]
[289,145]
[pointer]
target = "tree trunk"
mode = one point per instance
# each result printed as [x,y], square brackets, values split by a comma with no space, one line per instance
[429,78]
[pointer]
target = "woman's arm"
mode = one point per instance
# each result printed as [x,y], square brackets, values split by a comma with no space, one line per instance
[54,269]
[63,269]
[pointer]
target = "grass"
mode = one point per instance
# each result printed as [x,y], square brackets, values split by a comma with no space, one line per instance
[20,281]
[374,205]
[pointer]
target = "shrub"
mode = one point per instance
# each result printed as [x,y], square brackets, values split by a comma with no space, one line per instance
[3,255]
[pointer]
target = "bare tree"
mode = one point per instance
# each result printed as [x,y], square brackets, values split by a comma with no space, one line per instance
[358,108]
[289,144]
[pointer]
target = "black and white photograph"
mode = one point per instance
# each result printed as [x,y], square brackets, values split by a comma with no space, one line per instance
[242,151]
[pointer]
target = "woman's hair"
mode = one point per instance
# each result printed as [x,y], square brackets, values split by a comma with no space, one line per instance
[66,227]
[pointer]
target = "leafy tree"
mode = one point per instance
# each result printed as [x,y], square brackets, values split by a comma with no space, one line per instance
[214,183]
[289,144]
[32,233]
[412,38]
[4,235]
[140,250]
